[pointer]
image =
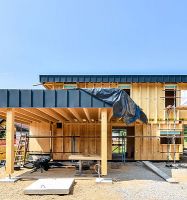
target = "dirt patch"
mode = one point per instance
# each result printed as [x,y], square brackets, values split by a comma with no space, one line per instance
[134,182]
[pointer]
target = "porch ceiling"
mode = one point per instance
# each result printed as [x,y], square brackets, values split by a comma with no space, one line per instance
[73,115]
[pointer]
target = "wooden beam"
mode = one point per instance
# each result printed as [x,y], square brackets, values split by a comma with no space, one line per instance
[16,118]
[75,113]
[62,112]
[110,115]
[181,108]
[41,114]
[86,111]
[156,103]
[26,117]
[3,110]
[99,114]
[48,85]
[25,112]
[10,142]
[147,100]
[104,142]
[52,113]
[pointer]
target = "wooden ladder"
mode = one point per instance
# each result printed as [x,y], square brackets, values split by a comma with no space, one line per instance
[22,148]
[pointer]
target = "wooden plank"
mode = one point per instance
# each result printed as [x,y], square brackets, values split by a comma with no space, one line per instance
[39,144]
[64,114]
[109,142]
[110,115]
[75,113]
[26,113]
[144,149]
[86,111]
[148,100]
[84,157]
[16,119]
[156,104]
[104,142]
[98,139]
[26,116]
[10,142]
[159,172]
[41,114]
[99,114]
[140,95]
[138,141]
[52,113]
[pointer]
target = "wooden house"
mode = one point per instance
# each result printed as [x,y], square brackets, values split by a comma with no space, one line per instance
[65,121]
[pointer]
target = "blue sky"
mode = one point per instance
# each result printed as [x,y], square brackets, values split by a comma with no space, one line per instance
[90,37]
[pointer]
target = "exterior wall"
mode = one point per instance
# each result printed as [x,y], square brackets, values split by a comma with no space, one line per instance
[147,148]
[148,96]
[87,140]
[39,144]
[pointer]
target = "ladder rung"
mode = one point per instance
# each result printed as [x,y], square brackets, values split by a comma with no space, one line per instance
[21,149]
[20,146]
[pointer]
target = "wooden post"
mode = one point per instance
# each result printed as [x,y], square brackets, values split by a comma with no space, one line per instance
[10,142]
[104,142]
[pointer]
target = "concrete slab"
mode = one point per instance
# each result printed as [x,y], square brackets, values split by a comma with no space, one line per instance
[103,180]
[50,186]
[9,180]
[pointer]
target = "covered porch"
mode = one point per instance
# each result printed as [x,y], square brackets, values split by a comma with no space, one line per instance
[62,123]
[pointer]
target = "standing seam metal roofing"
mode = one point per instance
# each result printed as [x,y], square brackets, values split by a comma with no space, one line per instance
[114,78]
[73,98]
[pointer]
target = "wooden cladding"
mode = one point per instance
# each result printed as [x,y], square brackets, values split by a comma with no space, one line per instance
[82,138]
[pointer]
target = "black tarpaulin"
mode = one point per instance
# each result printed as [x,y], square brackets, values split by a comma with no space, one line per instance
[123,105]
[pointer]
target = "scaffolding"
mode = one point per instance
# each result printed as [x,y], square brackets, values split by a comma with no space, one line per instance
[172,139]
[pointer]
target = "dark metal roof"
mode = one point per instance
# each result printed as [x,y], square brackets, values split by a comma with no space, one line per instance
[114,78]
[73,98]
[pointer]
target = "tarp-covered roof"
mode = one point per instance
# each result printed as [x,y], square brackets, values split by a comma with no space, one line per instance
[123,106]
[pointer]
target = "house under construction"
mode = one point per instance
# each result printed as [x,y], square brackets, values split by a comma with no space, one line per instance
[69,119]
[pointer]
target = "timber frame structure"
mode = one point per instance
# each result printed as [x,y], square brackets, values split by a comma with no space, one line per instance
[64,120]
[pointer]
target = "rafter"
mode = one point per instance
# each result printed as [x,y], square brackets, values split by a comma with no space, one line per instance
[27,113]
[62,112]
[99,114]
[26,117]
[21,117]
[110,115]
[75,113]
[42,114]
[86,111]
[17,119]
[52,113]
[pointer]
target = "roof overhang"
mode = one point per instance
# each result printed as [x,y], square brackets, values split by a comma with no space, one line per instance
[114,78]
[74,98]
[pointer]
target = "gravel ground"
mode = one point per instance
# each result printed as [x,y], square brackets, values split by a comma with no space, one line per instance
[134,182]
